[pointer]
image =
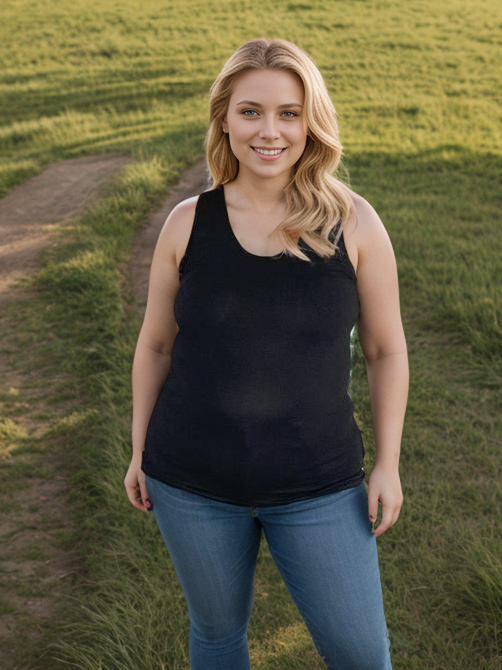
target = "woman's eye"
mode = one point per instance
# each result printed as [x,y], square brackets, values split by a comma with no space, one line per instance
[252,112]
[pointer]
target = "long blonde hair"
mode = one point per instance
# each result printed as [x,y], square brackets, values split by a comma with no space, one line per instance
[316,200]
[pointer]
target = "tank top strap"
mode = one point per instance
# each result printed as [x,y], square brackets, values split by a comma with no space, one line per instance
[208,229]
[342,249]
[341,253]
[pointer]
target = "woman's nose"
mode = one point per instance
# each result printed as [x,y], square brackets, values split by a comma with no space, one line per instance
[269,129]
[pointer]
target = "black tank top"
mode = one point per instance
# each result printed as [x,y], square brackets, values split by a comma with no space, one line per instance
[255,409]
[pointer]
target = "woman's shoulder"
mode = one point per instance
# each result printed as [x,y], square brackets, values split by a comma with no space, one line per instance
[363,225]
[183,213]
[363,230]
[176,231]
[362,212]
[181,217]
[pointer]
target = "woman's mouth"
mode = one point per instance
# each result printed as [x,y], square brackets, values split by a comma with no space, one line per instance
[269,154]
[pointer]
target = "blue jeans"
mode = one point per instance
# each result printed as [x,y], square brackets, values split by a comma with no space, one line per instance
[325,552]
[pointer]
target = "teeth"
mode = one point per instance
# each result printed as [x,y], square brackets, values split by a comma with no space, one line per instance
[266,152]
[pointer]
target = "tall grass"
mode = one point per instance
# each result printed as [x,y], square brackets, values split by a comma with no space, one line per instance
[417,86]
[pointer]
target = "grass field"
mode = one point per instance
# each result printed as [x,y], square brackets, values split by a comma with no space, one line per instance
[418,89]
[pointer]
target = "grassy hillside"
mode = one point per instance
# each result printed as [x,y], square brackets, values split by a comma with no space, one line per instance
[418,89]
[82,77]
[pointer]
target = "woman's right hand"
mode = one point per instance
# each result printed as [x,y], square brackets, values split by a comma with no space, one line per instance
[135,484]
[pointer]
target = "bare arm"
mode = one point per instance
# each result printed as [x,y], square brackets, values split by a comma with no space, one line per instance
[149,372]
[152,359]
[383,343]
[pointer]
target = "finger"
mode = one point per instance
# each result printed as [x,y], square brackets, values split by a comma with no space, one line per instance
[135,497]
[147,503]
[389,518]
[372,505]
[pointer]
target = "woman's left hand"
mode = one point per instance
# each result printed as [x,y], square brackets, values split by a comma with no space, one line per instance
[384,487]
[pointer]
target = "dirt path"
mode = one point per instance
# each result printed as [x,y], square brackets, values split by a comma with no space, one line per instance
[61,192]
[32,563]
[35,515]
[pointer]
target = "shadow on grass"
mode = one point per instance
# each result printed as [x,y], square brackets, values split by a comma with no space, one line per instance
[119,92]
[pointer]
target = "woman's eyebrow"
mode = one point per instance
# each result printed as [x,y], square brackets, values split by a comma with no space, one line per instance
[257,104]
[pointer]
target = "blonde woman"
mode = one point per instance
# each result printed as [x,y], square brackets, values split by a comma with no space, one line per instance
[242,420]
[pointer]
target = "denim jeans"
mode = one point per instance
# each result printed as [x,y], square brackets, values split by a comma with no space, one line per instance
[324,550]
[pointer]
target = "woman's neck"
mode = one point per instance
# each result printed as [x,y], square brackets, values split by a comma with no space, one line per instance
[261,193]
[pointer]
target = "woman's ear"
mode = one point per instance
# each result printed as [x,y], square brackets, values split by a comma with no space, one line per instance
[224,125]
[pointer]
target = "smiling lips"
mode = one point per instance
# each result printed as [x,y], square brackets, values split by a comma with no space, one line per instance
[269,154]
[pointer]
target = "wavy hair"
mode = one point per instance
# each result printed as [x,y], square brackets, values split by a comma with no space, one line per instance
[317,202]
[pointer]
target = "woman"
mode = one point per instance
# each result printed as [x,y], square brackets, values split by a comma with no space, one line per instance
[242,420]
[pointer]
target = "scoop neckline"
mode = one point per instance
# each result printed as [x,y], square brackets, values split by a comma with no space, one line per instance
[281,254]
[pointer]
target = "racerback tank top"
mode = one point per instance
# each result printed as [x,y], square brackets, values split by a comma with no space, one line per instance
[255,409]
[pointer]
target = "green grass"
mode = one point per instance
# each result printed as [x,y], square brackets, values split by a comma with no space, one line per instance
[418,89]
[85,77]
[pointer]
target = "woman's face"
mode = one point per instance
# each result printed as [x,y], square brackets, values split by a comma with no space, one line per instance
[264,122]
